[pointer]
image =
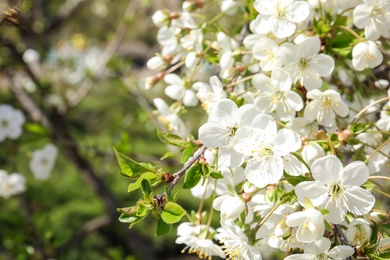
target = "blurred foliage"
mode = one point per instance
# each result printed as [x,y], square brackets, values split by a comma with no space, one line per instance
[64,217]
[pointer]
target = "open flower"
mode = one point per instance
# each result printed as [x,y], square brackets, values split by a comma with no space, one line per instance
[11,121]
[194,237]
[310,225]
[265,146]
[373,16]
[320,250]
[366,55]
[304,63]
[337,189]
[276,94]
[42,161]
[280,16]
[235,242]
[325,106]
[170,118]
[224,121]
[358,232]
[11,184]
[177,91]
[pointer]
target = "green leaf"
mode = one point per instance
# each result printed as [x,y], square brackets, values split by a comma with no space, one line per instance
[187,153]
[131,168]
[216,174]
[36,128]
[167,154]
[172,213]
[328,227]
[368,185]
[145,187]
[151,177]
[295,180]
[172,139]
[129,215]
[162,227]
[192,176]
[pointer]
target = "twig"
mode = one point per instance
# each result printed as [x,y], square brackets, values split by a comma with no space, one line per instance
[186,166]
[341,237]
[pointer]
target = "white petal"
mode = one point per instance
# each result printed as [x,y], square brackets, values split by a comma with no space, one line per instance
[212,134]
[265,171]
[266,123]
[360,201]
[318,247]
[223,110]
[355,174]
[341,252]
[300,11]
[283,28]
[322,64]
[286,141]
[316,191]
[327,169]
[309,47]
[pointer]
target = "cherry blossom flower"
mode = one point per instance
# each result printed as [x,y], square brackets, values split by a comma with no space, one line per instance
[194,237]
[265,146]
[280,16]
[373,16]
[366,55]
[325,107]
[210,94]
[358,232]
[312,151]
[170,118]
[276,94]
[177,91]
[310,225]
[11,121]
[265,50]
[320,250]
[235,242]
[42,161]
[11,184]
[224,121]
[337,189]
[304,63]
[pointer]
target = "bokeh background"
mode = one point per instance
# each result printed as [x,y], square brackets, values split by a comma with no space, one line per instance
[77,69]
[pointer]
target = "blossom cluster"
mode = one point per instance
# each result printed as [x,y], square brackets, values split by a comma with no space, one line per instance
[297,121]
[42,160]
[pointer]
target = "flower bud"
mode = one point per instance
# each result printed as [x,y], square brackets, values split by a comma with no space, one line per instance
[161,17]
[247,197]
[344,135]
[157,63]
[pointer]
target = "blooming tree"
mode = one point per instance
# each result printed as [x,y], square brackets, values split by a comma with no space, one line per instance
[283,155]
[292,152]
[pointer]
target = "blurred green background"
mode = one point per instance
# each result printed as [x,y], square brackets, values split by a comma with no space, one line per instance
[82,62]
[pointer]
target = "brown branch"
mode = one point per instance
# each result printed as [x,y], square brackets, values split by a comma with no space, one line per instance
[186,166]
[341,237]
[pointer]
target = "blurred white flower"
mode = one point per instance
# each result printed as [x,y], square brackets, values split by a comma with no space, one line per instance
[178,91]
[366,55]
[11,184]
[170,118]
[310,225]
[43,160]
[373,16]
[11,121]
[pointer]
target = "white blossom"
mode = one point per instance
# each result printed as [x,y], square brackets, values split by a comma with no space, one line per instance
[42,161]
[366,55]
[11,121]
[337,189]
[11,184]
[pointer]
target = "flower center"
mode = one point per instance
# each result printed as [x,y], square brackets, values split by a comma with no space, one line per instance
[321,257]
[303,64]
[4,123]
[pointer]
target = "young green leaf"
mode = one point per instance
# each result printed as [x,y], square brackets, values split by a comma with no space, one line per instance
[131,168]
[192,176]
[145,187]
[162,227]
[187,153]
[168,138]
[153,179]
[172,213]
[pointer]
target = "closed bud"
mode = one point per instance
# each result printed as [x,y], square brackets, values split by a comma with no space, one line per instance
[247,197]
[344,135]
